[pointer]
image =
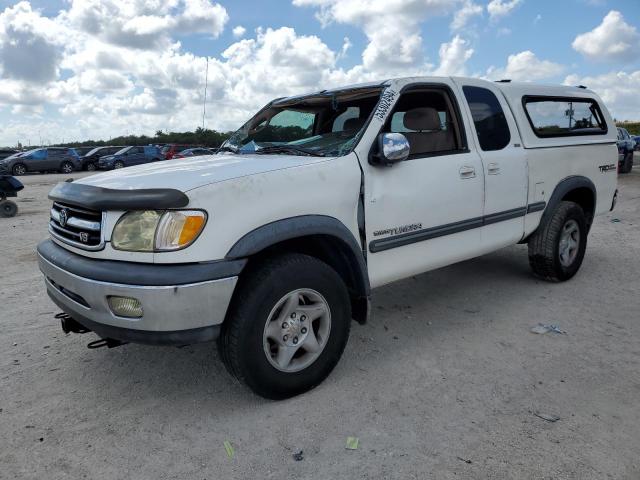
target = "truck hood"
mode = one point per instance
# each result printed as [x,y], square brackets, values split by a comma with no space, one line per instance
[188,173]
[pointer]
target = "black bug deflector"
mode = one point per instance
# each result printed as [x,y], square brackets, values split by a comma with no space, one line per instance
[98,198]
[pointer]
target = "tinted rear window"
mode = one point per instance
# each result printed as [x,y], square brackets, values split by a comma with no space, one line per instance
[562,117]
[488,117]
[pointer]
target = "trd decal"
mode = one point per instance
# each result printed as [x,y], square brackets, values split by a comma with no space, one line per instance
[398,230]
[606,168]
[385,104]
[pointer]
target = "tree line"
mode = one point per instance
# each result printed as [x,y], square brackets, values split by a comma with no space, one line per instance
[201,136]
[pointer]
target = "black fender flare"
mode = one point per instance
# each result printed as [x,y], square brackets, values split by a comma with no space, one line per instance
[303,226]
[565,186]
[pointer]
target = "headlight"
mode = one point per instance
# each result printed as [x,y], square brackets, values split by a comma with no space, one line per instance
[157,231]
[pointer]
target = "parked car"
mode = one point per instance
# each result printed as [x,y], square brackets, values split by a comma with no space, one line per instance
[636,138]
[275,250]
[90,159]
[626,146]
[129,156]
[82,151]
[7,152]
[169,150]
[60,159]
[192,152]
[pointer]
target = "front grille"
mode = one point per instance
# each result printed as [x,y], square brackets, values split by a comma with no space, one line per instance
[76,226]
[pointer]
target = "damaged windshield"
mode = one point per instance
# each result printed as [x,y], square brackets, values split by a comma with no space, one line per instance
[324,124]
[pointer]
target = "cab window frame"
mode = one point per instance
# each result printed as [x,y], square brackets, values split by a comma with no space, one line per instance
[456,119]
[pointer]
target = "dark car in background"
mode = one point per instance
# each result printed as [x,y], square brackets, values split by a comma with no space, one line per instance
[60,159]
[91,158]
[7,152]
[626,145]
[129,156]
[82,151]
[636,138]
[170,149]
[193,152]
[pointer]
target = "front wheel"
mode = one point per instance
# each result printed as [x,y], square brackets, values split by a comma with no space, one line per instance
[66,167]
[91,167]
[287,327]
[19,169]
[557,248]
[118,164]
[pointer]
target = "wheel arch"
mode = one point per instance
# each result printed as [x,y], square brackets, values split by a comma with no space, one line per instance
[320,236]
[578,189]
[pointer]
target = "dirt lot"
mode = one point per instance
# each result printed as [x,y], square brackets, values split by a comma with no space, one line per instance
[443,383]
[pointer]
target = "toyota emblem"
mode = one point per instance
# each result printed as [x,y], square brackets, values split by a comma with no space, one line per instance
[64,216]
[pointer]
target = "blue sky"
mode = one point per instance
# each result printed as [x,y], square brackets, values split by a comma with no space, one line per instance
[98,68]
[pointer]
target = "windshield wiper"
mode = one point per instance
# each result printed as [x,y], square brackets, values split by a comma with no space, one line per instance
[288,149]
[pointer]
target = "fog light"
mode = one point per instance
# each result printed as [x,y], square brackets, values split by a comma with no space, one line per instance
[125,306]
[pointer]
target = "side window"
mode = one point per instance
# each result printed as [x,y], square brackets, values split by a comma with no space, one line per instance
[426,118]
[562,117]
[350,117]
[139,149]
[488,117]
[39,154]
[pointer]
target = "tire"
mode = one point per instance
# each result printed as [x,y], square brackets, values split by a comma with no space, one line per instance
[66,167]
[262,300]
[19,169]
[118,164]
[8,208]
[91,167]
[548,257]
[627,164]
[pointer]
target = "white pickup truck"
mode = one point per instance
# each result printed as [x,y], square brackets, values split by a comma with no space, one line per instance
[273,245]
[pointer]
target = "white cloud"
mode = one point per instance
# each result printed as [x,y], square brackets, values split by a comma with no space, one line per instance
[612,40]
[392,28]
[619,91]
[464,14]
[144,24]
[239,31]
[501,8]
[30,45]
[453,57]
[525,66]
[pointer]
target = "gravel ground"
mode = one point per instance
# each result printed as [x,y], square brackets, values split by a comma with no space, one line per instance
[443,383]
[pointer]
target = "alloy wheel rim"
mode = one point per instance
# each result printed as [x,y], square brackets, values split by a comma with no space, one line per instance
[297,330]
[20,170]
[569,243]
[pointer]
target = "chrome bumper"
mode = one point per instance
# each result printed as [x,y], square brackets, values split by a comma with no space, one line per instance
[170,308]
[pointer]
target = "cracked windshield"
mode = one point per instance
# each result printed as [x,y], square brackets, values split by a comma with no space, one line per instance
[326,124]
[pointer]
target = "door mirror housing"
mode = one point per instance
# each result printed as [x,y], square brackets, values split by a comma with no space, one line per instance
[392,148]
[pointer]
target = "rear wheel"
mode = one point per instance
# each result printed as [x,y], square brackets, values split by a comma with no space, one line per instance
[627,164]
[66,167]
[557,248]
[8,208]
[287,327]
[118,164]
[19,169]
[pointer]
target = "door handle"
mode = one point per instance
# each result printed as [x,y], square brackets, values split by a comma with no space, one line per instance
[467,172]
[493,169]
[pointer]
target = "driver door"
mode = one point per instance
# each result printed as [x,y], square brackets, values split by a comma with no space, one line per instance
[424,212]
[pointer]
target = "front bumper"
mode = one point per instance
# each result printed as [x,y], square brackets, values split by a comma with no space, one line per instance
[181,304]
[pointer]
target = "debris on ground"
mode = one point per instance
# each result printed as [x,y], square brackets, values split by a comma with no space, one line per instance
[298,456]
[352,443]
[542,328]
[547,416]
[615,220]
[465,460]
[229,448]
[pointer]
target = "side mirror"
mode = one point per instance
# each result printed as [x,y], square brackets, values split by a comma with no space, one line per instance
[392,148]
